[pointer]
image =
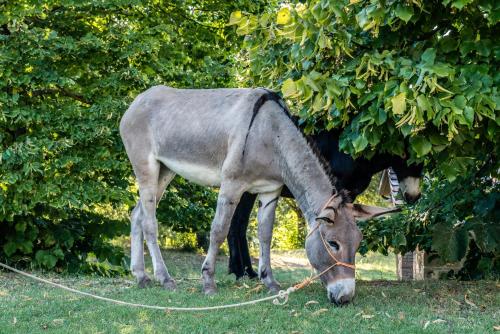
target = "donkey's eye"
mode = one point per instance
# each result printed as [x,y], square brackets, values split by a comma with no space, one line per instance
[334,245]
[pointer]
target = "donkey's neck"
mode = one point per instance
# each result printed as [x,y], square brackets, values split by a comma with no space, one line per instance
[302,171]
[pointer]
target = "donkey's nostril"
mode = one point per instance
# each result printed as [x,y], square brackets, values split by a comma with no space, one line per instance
[410,199]
[341,291]
[344,300]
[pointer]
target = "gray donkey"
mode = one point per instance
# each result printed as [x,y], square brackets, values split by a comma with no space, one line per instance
[238,140]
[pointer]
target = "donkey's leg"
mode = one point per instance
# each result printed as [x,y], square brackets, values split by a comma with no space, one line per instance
[151,185]
[239,257]
[266,214]
[229,196]
[137,233]
[137,248]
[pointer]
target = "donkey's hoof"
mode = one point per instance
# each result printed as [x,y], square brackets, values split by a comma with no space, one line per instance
[274,287]
[169,285]
[209,290]
[251,273]
[144,282]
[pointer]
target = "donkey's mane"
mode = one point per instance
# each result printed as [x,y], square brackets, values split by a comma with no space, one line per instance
[273,96]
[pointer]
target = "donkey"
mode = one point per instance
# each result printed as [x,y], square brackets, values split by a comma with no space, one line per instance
[353,175]
[240,140]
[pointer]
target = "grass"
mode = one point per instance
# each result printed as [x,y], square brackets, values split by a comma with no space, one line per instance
[379,307]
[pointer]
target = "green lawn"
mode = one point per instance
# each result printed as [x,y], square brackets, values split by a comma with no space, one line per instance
[380,306]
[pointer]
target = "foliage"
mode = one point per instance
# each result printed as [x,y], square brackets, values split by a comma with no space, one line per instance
[290,228]
[69,70]
[389,72]
[187,207]
[405,77]
[454,220]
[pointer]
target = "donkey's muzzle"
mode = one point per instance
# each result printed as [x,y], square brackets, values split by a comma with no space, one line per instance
[341,292]
[411,198]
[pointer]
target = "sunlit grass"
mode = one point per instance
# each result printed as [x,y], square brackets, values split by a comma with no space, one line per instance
[379,307]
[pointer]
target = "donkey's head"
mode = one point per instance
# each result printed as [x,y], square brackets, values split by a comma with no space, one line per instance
[332,244]
[409,176]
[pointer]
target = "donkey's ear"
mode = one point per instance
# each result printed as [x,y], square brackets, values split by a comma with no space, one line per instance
[363,212]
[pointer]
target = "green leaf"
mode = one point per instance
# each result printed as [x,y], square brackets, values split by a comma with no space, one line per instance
[284,16]
[360,143]
[399,240]
[423,103]
[442,70]
[381,116]
[317,103]
[26,247]
[460,101]
[450,170]
[429,56]
[450,243]
[460,3]
[45,259]
[20,227]
[9,248]
[289,88]
[404,12]
[246,25]
[469,115]
[399,104]
[420,145]
[235,18]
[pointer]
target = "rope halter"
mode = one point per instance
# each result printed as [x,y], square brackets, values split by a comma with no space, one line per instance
[336,262]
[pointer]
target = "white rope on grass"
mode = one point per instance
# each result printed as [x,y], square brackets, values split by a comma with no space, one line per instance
[281,295]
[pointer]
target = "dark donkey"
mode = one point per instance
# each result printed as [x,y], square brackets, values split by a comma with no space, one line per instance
[353,175]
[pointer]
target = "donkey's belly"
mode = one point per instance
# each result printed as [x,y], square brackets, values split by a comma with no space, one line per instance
[200,174]
[211,176]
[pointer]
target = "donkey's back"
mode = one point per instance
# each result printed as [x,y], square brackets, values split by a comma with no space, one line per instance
[190,131]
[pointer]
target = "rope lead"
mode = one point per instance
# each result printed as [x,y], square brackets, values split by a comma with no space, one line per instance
[281,298]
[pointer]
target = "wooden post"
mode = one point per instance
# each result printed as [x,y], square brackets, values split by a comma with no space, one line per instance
[410,266]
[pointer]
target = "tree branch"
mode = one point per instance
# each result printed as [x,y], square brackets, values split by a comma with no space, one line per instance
[61,91]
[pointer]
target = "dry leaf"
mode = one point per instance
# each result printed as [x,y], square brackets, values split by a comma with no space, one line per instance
[469,302]
[496,328]
[456,302]
[427,323]
[321,310]
[439,321]
[58,321]
[257,288]
[3,293]
[367,316]
[387,315]
[401,315]
[14,321]
[311,302]
[383,294]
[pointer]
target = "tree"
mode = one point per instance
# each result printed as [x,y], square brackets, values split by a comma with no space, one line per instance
[396,76]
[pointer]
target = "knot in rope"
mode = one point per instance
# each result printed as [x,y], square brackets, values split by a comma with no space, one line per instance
[283,295]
